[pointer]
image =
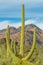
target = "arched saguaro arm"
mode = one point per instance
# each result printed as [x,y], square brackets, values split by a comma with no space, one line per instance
[33,46]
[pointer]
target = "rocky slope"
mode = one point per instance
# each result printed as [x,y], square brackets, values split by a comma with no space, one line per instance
[15,34]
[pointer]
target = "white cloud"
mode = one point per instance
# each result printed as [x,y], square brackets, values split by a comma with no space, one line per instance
[35,22]
[4,24]
[18,24]
[30,22]
[40,25]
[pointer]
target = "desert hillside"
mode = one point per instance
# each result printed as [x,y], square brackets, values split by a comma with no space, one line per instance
[37,56]
[15,34]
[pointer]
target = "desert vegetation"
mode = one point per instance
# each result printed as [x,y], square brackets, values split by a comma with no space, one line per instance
[8,49]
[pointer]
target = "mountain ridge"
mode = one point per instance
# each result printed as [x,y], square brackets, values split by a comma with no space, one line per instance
[15,34]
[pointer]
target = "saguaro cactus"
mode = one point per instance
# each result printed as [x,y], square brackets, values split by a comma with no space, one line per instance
[22,41]
[8,40]
[18,60]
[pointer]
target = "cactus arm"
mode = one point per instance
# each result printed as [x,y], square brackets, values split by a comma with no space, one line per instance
[8,40]
[33,46]
[15,51]
[22,41]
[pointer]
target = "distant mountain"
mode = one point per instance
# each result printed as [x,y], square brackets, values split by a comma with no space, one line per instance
[15,34]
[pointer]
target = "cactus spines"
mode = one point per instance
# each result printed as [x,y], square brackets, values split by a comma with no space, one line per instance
[33,46]
[22,41]
[8,40]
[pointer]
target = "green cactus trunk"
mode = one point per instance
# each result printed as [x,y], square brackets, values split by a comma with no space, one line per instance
[15,51]
[8,40]
[22,33]
[33,46]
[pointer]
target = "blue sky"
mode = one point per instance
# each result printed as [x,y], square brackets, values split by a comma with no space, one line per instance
[10,12]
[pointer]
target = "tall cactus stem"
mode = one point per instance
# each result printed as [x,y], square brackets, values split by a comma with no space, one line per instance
[22,41]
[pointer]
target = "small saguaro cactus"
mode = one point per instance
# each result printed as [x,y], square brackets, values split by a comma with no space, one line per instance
[8,40]
[22,41]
